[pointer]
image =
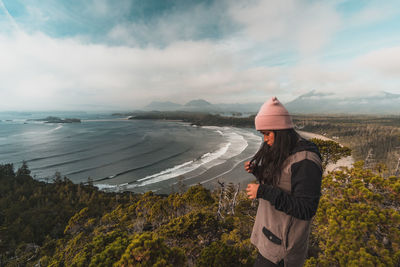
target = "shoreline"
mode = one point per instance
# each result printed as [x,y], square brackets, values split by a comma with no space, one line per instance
[227,167]
[229,171]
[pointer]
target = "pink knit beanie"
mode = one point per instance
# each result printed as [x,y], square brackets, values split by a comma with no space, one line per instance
[273,116]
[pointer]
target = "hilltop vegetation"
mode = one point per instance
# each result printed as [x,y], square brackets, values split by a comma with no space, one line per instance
[374,139]
[34,214]
[358,220]
[66,224]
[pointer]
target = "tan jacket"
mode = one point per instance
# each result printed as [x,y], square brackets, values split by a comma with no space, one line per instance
[277,234]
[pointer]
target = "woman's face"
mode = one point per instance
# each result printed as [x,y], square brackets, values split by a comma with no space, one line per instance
[269,137]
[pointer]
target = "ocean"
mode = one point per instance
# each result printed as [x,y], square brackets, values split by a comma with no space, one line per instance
[118,154]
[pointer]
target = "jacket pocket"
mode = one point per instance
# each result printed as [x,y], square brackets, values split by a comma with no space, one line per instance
[288,231]
[271,237]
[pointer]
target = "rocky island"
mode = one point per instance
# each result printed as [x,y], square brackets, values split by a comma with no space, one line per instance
[52,119]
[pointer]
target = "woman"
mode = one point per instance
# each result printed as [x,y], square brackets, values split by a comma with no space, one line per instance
[288,169]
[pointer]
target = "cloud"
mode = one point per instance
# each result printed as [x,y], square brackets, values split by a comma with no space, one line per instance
[221,51]
[385,62]
[43,72]
[40,71]
[300,25]
[367,75]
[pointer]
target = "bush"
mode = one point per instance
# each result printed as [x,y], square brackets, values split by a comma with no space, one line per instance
[148,249]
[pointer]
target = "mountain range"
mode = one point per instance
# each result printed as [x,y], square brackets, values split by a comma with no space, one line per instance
[200,105]
[317,103]
[313,102]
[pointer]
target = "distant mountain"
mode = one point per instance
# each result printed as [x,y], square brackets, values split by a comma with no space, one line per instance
[329,103]
[312,102]
[194,105]
[241,107]
[201,105]
[198,103]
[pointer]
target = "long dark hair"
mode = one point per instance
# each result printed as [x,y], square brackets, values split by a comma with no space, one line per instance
[267,162]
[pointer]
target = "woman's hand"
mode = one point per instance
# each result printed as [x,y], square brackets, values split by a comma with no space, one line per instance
[252,190]
[247,167]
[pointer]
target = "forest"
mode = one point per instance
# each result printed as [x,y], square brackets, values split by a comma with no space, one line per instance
[374,139]
[66,224]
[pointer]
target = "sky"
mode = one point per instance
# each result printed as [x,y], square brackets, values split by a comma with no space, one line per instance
[121,55]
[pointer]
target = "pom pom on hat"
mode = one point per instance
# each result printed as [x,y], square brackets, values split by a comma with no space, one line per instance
[273,116]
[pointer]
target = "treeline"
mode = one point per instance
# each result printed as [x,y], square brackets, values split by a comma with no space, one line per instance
[371,138]
[196,118]
[66,224]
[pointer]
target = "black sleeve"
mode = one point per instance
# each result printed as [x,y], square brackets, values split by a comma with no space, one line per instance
[302,203]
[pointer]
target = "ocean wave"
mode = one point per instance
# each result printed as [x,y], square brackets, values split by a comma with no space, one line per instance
[254,140]
[235,145]
[118,161]
[144,166]
[218,131]
[56,128]
[111,187]
[60,155]
[181,168]
[142,141]
[249,136]
[35,133]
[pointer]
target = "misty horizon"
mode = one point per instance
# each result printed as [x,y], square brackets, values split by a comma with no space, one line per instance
[313,102]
